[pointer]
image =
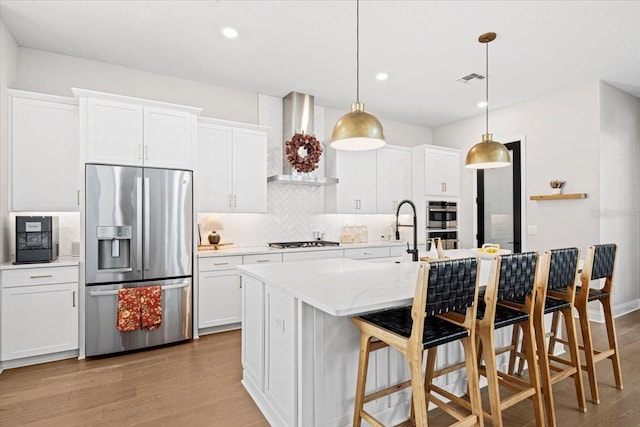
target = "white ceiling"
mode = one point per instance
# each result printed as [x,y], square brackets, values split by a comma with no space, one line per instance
[310,47]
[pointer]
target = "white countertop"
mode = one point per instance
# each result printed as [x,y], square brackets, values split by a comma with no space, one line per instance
[60,262]
[257,250]
[341,287]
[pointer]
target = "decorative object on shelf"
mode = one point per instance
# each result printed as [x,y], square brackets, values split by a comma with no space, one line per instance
[307,162]
[357,130]
[213,223]
[487,154]
[556,186]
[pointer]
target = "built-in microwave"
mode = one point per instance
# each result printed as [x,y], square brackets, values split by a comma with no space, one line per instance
[442,215]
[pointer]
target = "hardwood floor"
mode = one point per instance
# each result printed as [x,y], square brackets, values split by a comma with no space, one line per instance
[198,384]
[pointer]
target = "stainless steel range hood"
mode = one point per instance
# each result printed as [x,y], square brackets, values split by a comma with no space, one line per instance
[297,113]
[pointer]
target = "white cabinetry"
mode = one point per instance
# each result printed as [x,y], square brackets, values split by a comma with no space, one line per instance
[356,191]
[393,172]
[253,331]
[231,172]
[219,291]
[39,311]
[136,132]
[441,171]
[43,152]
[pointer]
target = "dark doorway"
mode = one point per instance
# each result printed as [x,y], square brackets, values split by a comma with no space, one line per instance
[499,203]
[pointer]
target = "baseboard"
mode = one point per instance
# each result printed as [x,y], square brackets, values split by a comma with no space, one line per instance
[597,315]
[34,360]
[221,328]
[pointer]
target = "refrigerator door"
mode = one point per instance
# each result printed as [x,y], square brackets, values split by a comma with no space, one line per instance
[168,223]
[102,334]
[113,233]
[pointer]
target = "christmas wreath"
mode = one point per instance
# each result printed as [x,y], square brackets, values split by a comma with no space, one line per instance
[309,162]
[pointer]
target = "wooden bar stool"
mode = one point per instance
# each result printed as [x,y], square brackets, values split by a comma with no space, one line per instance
[441,287]
[509,300]
[599,264]
[556,295]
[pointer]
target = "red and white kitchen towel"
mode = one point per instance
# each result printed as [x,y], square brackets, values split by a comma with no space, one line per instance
[139,308]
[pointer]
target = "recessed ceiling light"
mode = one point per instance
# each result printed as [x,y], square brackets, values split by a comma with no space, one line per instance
[230,32]
[382,76]
[482,104]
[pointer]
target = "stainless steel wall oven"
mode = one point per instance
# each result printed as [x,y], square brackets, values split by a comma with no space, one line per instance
[442,223]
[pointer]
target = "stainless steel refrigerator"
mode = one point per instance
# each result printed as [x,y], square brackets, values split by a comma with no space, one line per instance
[139,232]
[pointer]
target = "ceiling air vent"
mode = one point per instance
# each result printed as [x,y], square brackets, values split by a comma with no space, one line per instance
[469,77]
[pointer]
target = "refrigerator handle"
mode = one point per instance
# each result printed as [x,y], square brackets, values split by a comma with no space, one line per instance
[139,223]
[146,223]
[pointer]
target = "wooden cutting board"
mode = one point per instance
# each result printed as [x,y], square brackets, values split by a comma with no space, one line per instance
[213,247]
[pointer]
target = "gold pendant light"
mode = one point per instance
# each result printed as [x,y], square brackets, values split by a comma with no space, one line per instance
[357,130]
[487,154]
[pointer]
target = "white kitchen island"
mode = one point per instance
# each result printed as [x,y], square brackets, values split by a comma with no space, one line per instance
[300,349]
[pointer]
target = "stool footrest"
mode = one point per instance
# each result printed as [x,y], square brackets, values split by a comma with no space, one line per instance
[386,391]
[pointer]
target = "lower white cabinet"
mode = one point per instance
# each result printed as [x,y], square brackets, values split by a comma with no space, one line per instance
[39,316]
[219,291]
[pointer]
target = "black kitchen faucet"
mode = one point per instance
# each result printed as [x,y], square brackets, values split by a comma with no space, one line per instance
[413,251]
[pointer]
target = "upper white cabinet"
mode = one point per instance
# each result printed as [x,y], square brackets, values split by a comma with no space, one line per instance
[393,178]
[441,171]
[43,152]
[356,190]
[137,132]
[231,172]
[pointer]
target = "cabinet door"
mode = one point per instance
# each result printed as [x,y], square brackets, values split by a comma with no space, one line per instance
[214,170]
[44,155]
[39,320]
[253,330]
[451,173]
[393,179]
[167,138]
[220,298]
[442,172]
[347,188]
[249,171]
[366,176]
[114,132]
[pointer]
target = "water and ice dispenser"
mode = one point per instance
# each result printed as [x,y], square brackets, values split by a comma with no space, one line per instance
[114,246]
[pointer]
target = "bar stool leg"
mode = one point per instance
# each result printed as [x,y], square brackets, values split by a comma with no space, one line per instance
[585,327]
[515,339]
[487,346]
[574,353]
[363,365]
[543,360]
[528,341]
[613,340]
[417,389]
[554,332]
[473,379]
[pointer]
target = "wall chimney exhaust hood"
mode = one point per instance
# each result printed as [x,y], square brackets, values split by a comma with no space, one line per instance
[297,113]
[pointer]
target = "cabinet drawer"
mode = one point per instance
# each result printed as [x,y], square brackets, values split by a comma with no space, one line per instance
[219,263]
[365,253]
[311,255]
[262,258]
[397,250]
[39,276]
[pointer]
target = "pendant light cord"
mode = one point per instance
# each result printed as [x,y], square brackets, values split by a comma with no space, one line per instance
[357,50]
[487,86]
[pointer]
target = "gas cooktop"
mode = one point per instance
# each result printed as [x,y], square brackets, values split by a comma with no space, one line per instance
[308,244]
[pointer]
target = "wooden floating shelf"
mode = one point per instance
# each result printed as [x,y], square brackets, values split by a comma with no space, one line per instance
[559,196]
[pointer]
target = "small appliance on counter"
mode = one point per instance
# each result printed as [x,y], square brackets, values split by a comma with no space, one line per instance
[37,239]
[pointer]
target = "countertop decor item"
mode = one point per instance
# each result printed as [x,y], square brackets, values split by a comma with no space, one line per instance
[487,154]
[213,223]
[313,148]
[357,130]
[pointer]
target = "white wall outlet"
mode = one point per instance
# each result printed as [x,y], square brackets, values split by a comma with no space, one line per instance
[532,230]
